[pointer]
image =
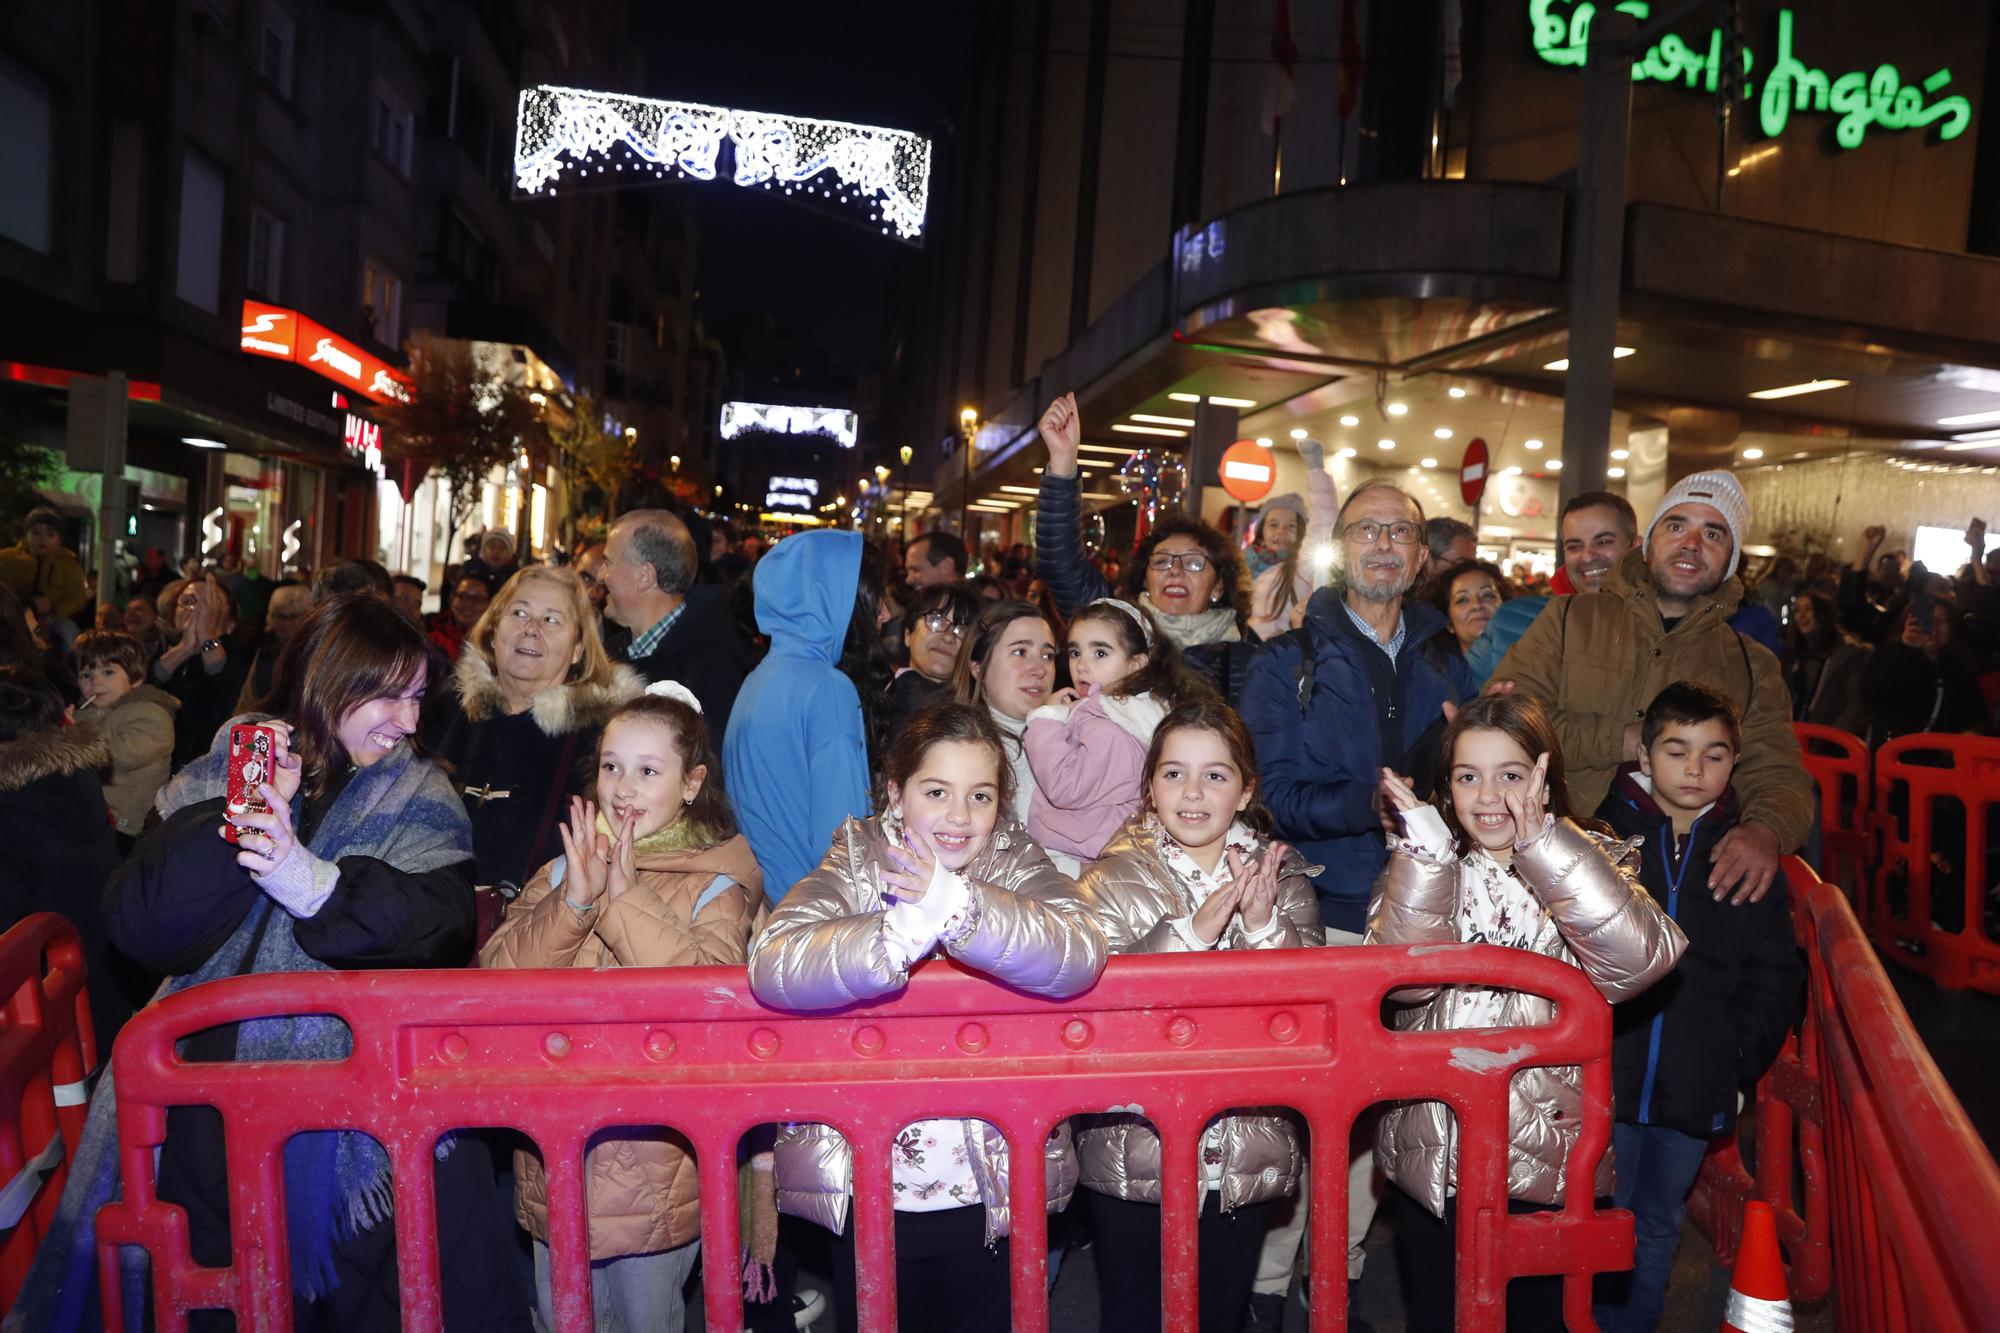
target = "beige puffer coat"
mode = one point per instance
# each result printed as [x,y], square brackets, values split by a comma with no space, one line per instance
[824,948]
[139,730]
[644,1193]
[1136,897]
[1598,918]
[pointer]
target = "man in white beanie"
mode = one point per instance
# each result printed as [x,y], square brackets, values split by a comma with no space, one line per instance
[1597,659]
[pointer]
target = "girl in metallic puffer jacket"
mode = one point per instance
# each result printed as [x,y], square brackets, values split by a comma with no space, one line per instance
[943,866]
[1192,871]
[1498,861]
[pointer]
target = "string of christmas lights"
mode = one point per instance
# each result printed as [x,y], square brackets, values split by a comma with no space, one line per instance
[882,174]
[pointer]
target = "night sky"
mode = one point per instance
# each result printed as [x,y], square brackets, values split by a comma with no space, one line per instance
[892,63]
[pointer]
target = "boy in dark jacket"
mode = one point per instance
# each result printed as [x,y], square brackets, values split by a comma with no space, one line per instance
[1682,1051]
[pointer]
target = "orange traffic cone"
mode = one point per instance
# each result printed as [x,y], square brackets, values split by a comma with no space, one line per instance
[1758,1302]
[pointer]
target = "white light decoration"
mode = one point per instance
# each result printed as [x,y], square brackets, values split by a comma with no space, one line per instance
[779,419]
[791,493]
[882,174]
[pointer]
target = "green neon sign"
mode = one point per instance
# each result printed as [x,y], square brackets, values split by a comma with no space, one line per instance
[1861,99]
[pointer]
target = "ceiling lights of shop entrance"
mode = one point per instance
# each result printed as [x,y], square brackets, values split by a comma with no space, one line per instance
[200,443]
[1350,420]
[1217,399]
[1971,419]
[1162,421]
[1129,429]
[1617,354]
[1794,390]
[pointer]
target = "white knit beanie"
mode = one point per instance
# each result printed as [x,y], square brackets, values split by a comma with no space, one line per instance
[1720,491]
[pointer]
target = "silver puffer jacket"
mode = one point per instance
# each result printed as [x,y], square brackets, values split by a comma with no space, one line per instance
[823,948]
[1136,896]
[1598,919]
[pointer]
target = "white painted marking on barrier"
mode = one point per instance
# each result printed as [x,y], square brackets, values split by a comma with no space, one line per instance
[1485,1062]
[73,1094]
[27,1183]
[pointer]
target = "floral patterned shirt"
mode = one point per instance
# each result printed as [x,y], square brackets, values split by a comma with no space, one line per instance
[932,1167]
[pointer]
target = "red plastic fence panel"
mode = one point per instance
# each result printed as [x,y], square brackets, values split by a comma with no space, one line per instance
[1915,1194]
[550,1054]
[1918,779]
[1788,1098]
[1842,768]
[47,1050]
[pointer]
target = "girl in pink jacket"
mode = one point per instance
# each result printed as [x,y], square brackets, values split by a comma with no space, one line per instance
[1087,747]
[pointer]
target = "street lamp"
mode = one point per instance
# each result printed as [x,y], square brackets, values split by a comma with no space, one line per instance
[675,460]
[968,426]
[906,454]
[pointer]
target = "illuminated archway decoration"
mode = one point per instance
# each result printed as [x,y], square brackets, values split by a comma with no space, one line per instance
[779,419]
[568,134]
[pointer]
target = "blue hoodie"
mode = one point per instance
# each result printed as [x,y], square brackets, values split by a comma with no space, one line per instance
[796,754]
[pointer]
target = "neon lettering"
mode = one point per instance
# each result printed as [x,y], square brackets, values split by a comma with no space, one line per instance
[1858,100]
[338,358]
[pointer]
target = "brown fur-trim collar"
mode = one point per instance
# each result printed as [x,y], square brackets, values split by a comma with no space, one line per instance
[66,750]
[558,710]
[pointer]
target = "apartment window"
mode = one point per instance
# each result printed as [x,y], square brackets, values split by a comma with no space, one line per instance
[394,127]
[274,57]
[616,346]
[382,304]
[267,254]
[27,157]
[198,271]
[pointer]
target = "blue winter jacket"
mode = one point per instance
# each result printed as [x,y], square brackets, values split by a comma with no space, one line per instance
[1320,771]
[796,754]
[1509,623]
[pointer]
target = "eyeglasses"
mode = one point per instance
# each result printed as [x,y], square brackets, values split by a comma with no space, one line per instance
[1368,532]
[1194,562]
[940,622]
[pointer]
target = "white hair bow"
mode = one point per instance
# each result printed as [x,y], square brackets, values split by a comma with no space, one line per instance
[673,689]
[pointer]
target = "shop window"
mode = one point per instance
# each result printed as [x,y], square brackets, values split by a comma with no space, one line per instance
[381,304]
[274,56]
[394,128]
[267,254]
[198,272]
[27,156]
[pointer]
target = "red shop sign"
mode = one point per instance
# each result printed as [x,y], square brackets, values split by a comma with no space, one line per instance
[286,335]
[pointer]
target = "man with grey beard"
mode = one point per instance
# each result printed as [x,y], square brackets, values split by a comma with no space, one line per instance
[1362,686]
[1359,688]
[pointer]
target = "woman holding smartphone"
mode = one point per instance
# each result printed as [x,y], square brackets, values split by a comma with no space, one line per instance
[361,857]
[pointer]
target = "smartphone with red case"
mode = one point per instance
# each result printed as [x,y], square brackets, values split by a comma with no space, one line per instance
[253,759]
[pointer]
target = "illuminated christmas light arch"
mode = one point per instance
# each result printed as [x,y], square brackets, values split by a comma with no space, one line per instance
[836,423]
[881,174]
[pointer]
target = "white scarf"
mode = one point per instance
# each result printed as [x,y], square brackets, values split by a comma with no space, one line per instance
[1215,625]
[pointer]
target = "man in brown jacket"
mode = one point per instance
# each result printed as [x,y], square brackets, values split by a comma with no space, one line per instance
[1597,659]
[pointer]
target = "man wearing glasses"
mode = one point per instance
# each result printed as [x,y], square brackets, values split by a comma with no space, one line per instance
[1361,687]
[1371,698]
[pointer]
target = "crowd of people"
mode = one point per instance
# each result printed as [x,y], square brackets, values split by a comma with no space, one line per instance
[828,760]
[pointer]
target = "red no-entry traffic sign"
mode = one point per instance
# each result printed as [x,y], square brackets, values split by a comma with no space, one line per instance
[1472,473]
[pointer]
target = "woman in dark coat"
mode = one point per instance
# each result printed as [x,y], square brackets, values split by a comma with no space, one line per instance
[58,834]
[363,860]
[518,724]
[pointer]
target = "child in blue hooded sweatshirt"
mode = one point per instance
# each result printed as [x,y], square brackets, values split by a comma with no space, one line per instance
[796,752]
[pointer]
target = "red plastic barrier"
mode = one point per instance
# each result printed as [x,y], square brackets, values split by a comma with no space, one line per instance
[1788,1098]
[47,1050]
[1900,1193]
[1840,764]
[1915,1193]
[1186,1037]
[1921,774]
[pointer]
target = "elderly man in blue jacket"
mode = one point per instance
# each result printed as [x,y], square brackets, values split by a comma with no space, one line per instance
[1360,688]
[1382,668]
